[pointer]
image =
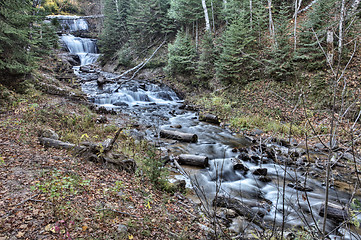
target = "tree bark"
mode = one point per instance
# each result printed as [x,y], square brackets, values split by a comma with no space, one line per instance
[209,118]
[334,212]
[330,47]
[180,136]
[251,13]
[206,17]
[271,24]
[240,209]
[297,7]
[193,160]
[340,29]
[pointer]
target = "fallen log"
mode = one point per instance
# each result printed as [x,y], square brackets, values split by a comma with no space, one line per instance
[210,118]
[49,142]
[180,136]
[193,160]
[334,212]
[240,210]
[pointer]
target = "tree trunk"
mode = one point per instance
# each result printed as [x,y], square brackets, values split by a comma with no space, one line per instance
[271,24]
[340,29]
[297,7]
[206,17]
[334,212]
[240,209]
[251,13]
[214,25]
[209,118]
[180,136]
[193,160]
[330,47]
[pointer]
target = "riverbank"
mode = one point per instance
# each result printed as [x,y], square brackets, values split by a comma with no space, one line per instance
[48,193]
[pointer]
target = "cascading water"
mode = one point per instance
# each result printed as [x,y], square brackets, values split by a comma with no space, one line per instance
[157,107]
[85,48]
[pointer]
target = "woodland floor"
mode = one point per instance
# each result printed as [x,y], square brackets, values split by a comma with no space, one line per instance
[51,194]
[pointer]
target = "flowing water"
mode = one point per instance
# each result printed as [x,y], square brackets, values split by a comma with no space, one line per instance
[157,106]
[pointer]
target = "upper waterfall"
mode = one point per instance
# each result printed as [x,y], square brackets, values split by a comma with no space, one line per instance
[71,23]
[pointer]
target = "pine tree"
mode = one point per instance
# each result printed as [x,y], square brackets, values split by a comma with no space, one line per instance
[147,22]
[186,11]
[205,65]
[115,32]
[308,54]
[281,67]
[181,55]
[15,58]
[236,63]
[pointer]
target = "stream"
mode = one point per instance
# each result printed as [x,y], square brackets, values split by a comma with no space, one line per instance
[272,196]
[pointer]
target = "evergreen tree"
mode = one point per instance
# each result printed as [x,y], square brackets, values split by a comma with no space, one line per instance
[15,58]
[186,11]
[236,62]
[147,22]
[115,31]
[181,55]
[281,67]
[309,55]
[205,65]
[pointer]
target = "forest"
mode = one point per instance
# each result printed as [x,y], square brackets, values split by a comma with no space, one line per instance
[180,119]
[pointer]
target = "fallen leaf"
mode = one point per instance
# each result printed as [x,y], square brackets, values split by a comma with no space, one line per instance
[130,237]
[84,227]
[20,234]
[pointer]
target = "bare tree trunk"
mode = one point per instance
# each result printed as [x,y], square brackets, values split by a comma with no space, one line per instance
[197,35]
[297,7]
[206,17]
[340,30]
[214,26]
[116,6]
[251,13]
[271,24]
[330,47]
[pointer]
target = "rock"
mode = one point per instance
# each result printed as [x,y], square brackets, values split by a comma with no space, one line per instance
[48,133]
[121,228]
[239,165]
[180,185]
[121,104]
[264,179]
[101,119]
[244,156]
[326,146]
[176,126]
[299,187]
[260,171]
[256,132]
[251,139]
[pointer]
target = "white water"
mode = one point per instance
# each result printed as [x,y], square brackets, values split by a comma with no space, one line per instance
[85,48]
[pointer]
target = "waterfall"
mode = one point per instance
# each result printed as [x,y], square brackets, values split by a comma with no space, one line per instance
[71,23]
[85,48]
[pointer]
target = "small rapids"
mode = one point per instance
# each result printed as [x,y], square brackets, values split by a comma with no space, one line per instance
[158,107]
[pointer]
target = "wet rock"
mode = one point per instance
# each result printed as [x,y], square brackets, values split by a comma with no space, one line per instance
[264,179]
[121,104]
[299,187]
[251,139]
[244,156]
[176,126]
[260,171]
[239,165]
[103,110]
[180,185]
[259,211]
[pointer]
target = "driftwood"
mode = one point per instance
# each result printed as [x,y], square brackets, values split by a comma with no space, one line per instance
[193,160]
[49,142]
[96,152]
[210,118]
[334,212]
[240,209]
[180,136]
